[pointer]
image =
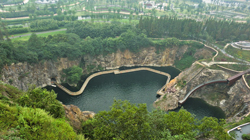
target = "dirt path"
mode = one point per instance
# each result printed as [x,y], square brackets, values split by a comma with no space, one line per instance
[225,47]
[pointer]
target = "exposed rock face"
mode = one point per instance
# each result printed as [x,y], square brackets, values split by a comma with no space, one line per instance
[21,75]
[169,100]
[76,116]
[231,99]
[147,56]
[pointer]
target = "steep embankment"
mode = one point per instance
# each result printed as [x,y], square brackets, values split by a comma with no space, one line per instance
[231,99]
[21,75]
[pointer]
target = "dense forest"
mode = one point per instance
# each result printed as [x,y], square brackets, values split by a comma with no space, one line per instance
[103,38]
[93,39]
[187,28]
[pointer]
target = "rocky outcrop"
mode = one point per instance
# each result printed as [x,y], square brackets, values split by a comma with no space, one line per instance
[231,99]
[169,100]
[147,56]
[21,75]
[76,116]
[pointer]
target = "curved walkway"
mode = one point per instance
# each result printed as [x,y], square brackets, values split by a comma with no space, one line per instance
[233,45]
[242,125]
[212,63]
[108,72]
[224,52]
[200,86]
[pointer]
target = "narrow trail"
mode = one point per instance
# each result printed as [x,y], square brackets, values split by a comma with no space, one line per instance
[225,63]
[117,71]
[225,47]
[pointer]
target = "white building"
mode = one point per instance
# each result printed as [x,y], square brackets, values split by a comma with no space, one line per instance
[46,1]
[207,1]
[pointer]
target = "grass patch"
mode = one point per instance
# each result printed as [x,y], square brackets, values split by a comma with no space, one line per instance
[181,83]
[219,45]
[231,125]
[25,38]
[248,79]
[214,96]
[236,67]
[185,62]
[222,57]
[238,53]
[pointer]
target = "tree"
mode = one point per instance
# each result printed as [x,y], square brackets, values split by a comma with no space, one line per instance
[30,16]
[211,127]
[33,123]
[123,121]
[41,98]
[130,121]
[73,12]
[73,74]
[34,42]
[19,7]
[59,12]
[153,12]
[65,13]
[181,122]
[3,31]
[34,16]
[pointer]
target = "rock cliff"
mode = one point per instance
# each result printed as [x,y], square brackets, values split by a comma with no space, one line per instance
[231,99]
[76,116]
[21,75]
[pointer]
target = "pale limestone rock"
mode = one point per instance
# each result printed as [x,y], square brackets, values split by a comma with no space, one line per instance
[76,116]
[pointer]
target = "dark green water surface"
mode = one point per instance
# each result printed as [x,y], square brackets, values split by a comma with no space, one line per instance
[137,87]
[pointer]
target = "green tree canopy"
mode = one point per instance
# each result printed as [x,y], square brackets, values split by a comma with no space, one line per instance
[73,74]
[41,98]
[130,121]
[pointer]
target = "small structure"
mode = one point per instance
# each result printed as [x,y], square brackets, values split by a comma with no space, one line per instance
[46,1]
[244,45]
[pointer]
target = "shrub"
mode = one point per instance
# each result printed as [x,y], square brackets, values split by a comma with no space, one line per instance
[245,137]
[33,124]
[41,98]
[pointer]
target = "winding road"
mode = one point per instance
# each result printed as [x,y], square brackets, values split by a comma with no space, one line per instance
[225,53]
[231,63]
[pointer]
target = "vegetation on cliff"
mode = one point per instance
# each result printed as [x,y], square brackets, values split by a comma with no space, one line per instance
[35,114]
[70,45]
[72,74]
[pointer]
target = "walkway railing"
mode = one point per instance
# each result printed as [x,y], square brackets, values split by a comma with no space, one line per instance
[117,71]
[200,86]
[236,128]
